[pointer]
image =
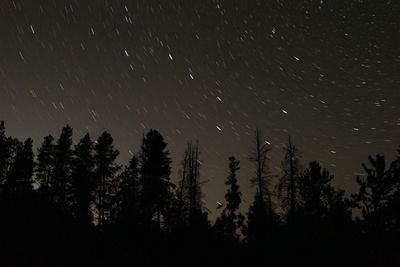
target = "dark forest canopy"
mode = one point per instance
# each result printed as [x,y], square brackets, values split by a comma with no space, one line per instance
[72,204]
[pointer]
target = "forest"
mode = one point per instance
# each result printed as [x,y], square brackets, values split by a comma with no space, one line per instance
[72,204]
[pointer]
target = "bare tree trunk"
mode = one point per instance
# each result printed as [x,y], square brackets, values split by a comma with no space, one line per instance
[259,164]
[292,185]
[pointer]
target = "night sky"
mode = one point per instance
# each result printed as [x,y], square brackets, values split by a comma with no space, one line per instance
[326,72]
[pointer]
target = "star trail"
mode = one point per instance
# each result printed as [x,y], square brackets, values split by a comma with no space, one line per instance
[325,72]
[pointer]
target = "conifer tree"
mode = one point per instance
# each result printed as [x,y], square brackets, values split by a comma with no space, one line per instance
[128,208]
[394,199]
[5,153]
[155,173]
[320,203]
[62,167]
[45,165]
[231,220]
[375,192]
[104,174]
[19,178]
[82,180]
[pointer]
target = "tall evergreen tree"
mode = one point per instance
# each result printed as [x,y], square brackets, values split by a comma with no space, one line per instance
[231,220]
[260,222]
[320,203]
[287,187]
[394,200]
[45,165]
[323,219]
[63,157]
[18,212]
[375,193]
[128,208]
[105,169]
[5,153]
[82,180]
[155,176]
[19,178]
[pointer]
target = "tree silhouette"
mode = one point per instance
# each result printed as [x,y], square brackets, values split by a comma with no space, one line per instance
[189,192]
[231,220]
[376,190]
[105,169]
[82,181]
[18,211]
[394,199]
[378,199]
[62,167]
[129,193]
[262,220]
[320,203]
[262,178]
[75,208]
[155,176]
[5,153]
[288,188]
[45,165]
[323,218]
[19,178]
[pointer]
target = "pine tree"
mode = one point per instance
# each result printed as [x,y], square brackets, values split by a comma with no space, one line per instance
[231,220]
[394,199]
[128,208]
[18,209]
[19,178]
[155,177]
[105,169]
[260,222]
[82,178]
[45,165]
[320,203]
[375,192]
[5,153]
[63,157]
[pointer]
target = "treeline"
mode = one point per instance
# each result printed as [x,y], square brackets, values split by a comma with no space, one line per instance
[72,205]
